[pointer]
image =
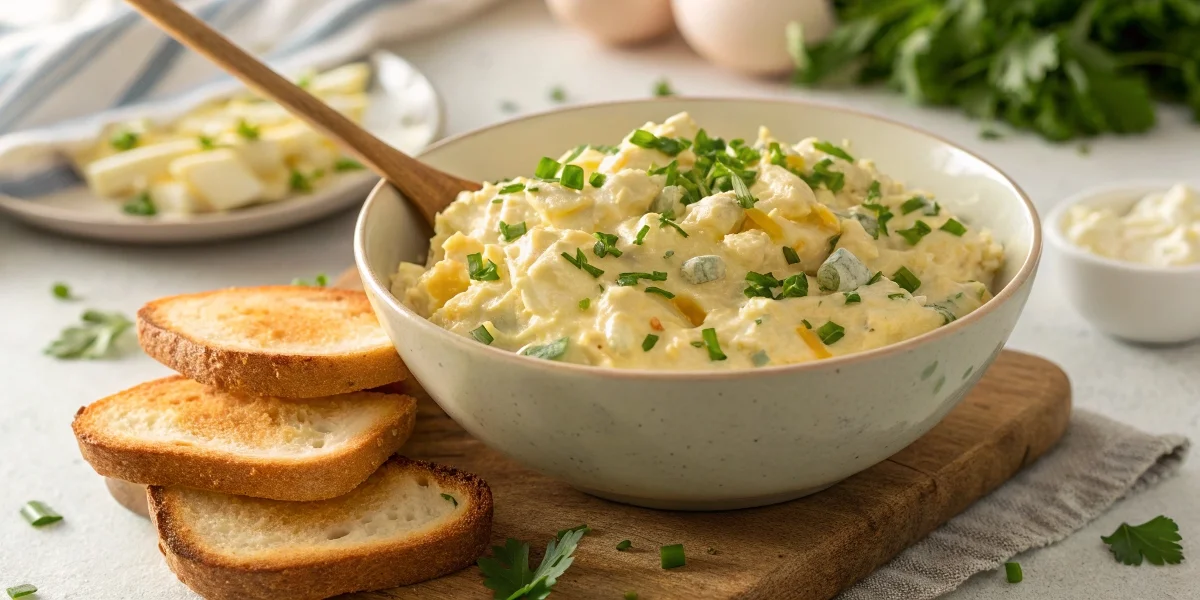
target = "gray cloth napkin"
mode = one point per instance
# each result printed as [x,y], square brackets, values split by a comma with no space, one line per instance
[1097,462]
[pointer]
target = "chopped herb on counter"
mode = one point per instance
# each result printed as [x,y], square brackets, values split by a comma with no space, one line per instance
[96,337]
[38,513]
[714,353]
[662,88]
[321,280]
[1012,571]
[62,291]
[1156,540]
[631,595]
[507,572]
[558,94]
[482,336]
[647,344]
[673,556]
[480,271]
[509,233]
[625,544]
[508,106]
[20,591]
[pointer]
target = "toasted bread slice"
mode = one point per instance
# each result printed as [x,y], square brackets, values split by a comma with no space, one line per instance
[287,341]
[397,528]
[175,431]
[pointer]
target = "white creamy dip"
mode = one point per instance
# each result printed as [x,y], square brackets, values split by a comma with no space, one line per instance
[1162,229]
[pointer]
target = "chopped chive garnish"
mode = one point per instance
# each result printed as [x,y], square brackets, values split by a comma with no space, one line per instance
[662,88]
[953,228]
[247,130]
[672,556]
[875,278]
[760,358]
[914,234]
[206,143]
[641,235]
[626,544]
[714,353]
[758,321]
[124,140]
[906,280]
[698,344]
[660,292]
[449,498]
[141,205]
[873,192]
[852,297]
[832,150]
[667,219]
[575,152]
[558,94]
[626,279]
[38,513]
[547,168]
[1012,571]
[767,280]
[482,335]
[20,591]
[511,188]
[597,179]
[789,254]
[532,188]
[550,351]
[897,296]
[509,233]
[833,241]
[299,182]
[741,192]
[831,332]
[606,244]
[580,262]
[642,138]
[882,215]
[585,303]
[668,254]
[480,271]
[647,344]
[572,177]
[345,163]
[795,286]
[912,204]
[933,210]
[669,146]
[806,324]
[61,291]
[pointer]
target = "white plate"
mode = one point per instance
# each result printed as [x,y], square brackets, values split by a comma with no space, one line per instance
[404,111]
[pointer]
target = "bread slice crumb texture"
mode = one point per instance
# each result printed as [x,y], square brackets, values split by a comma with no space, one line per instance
[299,320]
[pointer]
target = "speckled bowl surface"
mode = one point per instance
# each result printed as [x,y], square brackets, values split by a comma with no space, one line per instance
[705,440]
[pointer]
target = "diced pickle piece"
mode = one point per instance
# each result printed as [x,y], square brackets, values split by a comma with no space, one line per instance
[703,269]
[842,272]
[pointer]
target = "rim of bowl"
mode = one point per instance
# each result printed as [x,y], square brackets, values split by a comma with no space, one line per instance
[1136,189]
[1028,267]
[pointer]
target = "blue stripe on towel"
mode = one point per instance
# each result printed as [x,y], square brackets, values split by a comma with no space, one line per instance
[164,58]
[344,18]
[42,183]
[60,70]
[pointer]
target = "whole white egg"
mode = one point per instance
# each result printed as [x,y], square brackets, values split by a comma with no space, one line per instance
[749,35]
[615,22]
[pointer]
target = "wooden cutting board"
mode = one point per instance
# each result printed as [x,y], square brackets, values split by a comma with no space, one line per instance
[806,549]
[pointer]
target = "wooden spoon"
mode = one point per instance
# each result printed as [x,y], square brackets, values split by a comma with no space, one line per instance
[429,189]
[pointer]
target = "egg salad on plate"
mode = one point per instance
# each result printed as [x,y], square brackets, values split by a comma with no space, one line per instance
[223,155]
[676,250]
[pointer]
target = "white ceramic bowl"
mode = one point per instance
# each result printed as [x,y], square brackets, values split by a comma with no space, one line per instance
[1131,301]
[704,440]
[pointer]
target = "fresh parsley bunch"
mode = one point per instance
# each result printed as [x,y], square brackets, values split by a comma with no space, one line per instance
[1061,68]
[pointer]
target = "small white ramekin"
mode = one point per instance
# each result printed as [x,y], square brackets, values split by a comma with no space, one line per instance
[1131,301]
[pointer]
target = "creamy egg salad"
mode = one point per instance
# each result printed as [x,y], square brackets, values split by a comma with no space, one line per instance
[223,155]
[1162,229]
[676,250]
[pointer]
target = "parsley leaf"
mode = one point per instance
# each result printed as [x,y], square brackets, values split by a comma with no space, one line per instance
[507,572]
[95,337]
[1156,540]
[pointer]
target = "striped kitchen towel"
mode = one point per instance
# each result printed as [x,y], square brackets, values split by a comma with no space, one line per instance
[59,82]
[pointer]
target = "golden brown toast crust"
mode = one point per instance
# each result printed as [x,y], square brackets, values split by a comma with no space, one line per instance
[418,558]
[292,478]
[264,372]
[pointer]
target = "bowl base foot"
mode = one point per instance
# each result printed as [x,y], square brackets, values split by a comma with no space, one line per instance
[706,505]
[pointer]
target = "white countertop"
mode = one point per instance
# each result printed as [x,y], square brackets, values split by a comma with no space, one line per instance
[101,551]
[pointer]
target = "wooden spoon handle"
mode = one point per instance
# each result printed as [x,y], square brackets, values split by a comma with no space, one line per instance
[430,189]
